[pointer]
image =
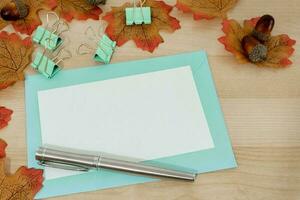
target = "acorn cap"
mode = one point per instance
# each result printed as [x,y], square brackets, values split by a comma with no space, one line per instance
[22,8]
[258,53]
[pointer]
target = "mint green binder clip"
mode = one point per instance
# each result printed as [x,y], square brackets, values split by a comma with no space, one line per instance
[105,49]
[47,66]
[50,37]
[138,15]
[43,36]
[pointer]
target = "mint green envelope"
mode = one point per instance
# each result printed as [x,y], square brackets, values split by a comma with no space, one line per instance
[219,157]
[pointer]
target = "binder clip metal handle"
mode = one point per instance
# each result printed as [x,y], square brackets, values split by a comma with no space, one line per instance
[59,53]
[88,50]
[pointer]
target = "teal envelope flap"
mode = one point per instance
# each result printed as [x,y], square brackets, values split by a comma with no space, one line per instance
[138,15]
[45,65]
[219,157]
[47,39]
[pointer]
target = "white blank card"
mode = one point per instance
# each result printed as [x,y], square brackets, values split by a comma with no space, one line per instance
[146,116]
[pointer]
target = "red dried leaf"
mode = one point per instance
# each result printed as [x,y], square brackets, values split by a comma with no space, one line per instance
[146,37]
[79,9]
[206,9]
[24,184]
[280,47]
[32,20]
[3,145]
[15,56]
[5,116]
[6,85]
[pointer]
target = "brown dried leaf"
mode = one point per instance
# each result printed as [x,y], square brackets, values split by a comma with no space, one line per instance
[15,56]
[23,185]
[206,9]
[78,9]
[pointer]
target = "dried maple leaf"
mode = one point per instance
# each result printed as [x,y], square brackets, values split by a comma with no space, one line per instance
[78,9]
[206,9]
[5,116]
[145,36]
[15,56]
[280,47]
[32,20]
[23,185]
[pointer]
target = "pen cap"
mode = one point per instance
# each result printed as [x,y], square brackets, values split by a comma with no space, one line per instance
[47,156]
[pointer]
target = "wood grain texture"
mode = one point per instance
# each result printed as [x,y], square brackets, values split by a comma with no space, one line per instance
[261,108]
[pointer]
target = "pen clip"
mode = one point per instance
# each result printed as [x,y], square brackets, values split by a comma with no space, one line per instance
[63,166]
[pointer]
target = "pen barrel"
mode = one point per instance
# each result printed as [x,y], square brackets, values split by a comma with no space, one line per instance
[83,162]
[144,169]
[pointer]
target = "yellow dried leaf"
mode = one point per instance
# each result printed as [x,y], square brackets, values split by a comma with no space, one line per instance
[206,9]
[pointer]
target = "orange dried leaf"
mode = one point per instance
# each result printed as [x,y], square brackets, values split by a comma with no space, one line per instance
[24,184]
[280,47]
[206,9]
[15,56]
[145,36]
[79,9]
[5,116]
[31,21]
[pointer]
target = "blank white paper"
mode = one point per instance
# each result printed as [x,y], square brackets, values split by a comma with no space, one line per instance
[145,117]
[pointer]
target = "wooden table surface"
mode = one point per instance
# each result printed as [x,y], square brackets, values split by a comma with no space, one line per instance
[261,108]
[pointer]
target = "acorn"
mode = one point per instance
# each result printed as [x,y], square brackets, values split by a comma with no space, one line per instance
[14,10]
[96,2]
[256,51]
[263,28]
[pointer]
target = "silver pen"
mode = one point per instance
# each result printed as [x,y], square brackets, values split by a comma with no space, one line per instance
[84,162]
